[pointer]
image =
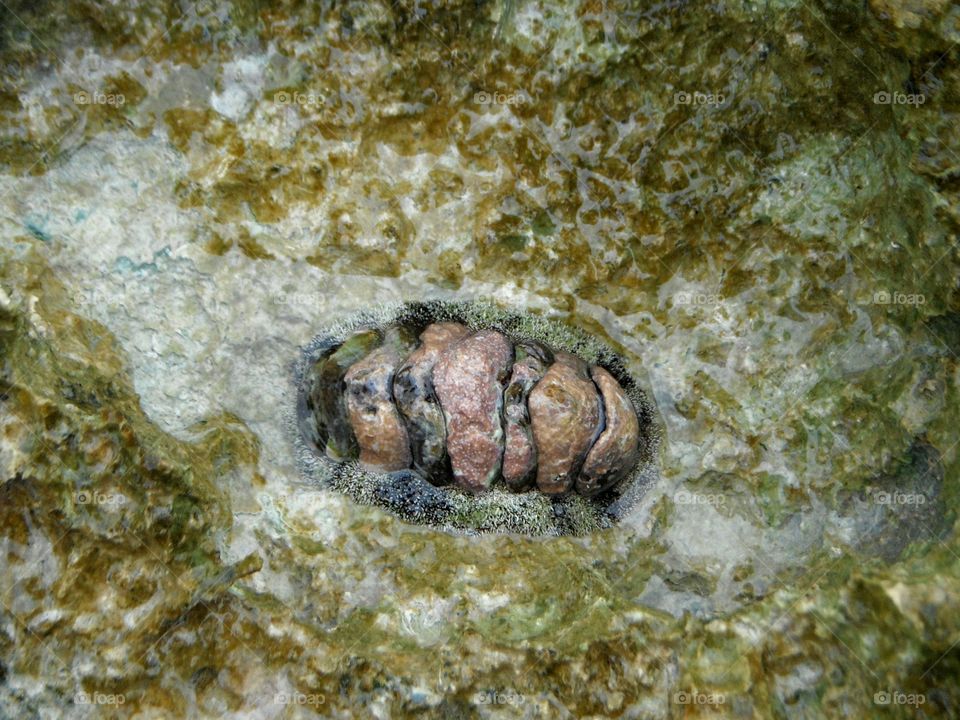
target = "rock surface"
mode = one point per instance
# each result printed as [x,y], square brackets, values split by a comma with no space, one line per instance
[376,423]
[208,228]
[520,452]
[615,451]
[566,414]
[469,379]
[418,404]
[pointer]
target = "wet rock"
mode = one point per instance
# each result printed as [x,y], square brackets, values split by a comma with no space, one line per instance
[615,451]
[566,414]
[326,395]
[520,452]
[903,507]
[418,404]
[376,423]
[469,378]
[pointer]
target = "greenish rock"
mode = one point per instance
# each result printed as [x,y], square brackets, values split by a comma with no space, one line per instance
[756,262]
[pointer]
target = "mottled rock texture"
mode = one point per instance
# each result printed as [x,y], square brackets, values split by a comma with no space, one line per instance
[177,218]
[615,451]
[566,414]
[520,452]
[469,379]
[418,404]
[379,430]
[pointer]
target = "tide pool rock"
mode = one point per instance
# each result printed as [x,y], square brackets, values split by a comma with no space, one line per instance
[376,423]
[418,404]
[566,414]
[615,451]
[520,452]
[469,379]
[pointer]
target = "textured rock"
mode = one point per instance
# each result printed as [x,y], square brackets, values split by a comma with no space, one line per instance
[754,383]
[566,414]
[326,395]
[418,405]
[615,451]
[520,452]
[376,423]
[469,378]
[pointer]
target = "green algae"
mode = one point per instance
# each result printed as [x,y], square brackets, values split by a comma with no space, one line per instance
[126,509]
[800,199]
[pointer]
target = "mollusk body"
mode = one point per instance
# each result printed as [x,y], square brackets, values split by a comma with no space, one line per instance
[472,408]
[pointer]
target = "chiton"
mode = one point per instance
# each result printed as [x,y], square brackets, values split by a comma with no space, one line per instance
[471,417]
